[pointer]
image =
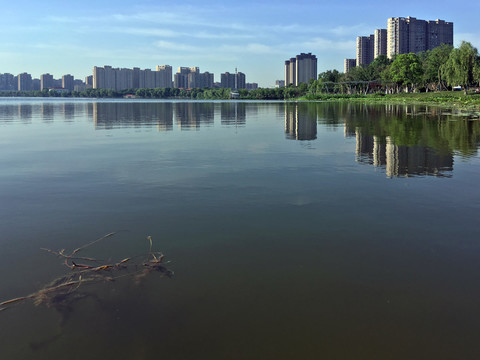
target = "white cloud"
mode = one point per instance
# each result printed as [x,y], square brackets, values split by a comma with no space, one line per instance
[253,48]
[168,45]
[144,31]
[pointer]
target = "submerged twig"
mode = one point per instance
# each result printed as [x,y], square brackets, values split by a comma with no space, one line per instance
[62,291]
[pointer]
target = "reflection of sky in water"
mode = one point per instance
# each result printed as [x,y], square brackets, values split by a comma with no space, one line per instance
[280,247]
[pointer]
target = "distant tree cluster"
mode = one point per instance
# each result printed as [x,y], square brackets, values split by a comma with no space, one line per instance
[435,69]
[171,93]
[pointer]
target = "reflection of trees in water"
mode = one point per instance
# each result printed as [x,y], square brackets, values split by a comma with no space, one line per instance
[411,139]
[416,125]
[405,139]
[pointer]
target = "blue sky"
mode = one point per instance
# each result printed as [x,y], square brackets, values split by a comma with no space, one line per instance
[61,37]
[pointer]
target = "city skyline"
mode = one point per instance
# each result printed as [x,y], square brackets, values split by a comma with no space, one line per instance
[61,38]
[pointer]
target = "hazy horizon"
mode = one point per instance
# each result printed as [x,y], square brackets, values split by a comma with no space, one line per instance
[256,38]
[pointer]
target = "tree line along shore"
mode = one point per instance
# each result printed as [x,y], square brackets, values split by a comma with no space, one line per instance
[428,77]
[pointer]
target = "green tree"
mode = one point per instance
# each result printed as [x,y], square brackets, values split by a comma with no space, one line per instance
[329,75]
[377,67]
[461,66]
[406,70]
[432,63]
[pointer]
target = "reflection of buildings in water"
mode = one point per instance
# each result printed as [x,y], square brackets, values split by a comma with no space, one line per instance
[401,160]
[233,113]
[68,111]
[25,112]
[300,122]
[110,115]
[47,111]
[8,113]
[405,160]
[190,115]
[251,109]
[89,110]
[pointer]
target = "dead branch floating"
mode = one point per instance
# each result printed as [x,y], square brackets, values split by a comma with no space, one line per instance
[62,292]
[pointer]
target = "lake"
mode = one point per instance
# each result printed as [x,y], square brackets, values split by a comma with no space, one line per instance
[294,230]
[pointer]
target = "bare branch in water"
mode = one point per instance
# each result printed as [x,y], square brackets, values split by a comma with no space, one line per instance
[63,290]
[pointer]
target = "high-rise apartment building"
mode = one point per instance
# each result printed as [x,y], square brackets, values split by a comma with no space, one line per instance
[89,80]
[411,35]
[191,77]
[120,79]
[46,81]
[439,32]
[164,76]
[180,79]
[68,82]
[380,43]
[25,82]
[349,63]
[365,49]
[241,81]
[300,69]
[8,82]
[233,81]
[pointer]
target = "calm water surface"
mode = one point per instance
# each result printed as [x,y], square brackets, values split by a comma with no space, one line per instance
[296,231]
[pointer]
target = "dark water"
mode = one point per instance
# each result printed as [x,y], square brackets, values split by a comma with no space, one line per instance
[296,231]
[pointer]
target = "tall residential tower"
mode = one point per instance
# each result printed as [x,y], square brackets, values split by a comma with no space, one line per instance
[300,69]
[411,35]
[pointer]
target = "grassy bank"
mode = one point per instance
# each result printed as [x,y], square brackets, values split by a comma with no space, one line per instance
[445,98]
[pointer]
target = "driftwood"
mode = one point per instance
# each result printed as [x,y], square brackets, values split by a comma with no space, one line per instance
[83,271]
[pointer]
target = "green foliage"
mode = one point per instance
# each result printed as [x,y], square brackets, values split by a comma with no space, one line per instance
[406,70]
[329,76]
[432,63]
[461,66]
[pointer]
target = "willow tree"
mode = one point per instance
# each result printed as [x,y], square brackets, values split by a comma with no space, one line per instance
[432,64]
[461,66]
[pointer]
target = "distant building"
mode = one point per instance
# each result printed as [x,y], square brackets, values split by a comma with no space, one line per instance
[365,50]
[349,63]
[164,76]
[89,80]
[25,82]
[411,35]
[120,79]
[233,81]
[252,86]
[181,78]
[191,78]
[67,82]
[36,83]
[279,83]
[227,80]
[46,81]
[380,43]
[300,69]
[8,82]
